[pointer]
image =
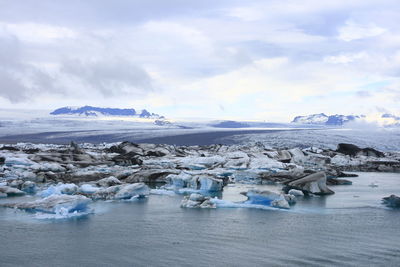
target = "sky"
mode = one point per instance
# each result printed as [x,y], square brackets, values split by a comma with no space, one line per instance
[225,59]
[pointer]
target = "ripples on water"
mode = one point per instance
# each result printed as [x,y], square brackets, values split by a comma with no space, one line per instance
[350,228]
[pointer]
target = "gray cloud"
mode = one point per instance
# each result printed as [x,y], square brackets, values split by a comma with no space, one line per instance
[112,77]
[19,80]
[113,49]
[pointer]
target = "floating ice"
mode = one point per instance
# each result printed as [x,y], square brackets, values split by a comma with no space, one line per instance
[10,191]
[196,200]
[59,189]
[181,180]
[121,192]
[220,203]
[392,201]
[88,189]
[133,190]
[210,184]
[109,181]
[162,192]
[29,187]
[55,204]
[314,183]
[296,193]
[267,198]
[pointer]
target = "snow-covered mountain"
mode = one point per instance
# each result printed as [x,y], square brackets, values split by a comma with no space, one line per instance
[390,120]
[311,119]
[391,116]
[89,111]
[325,119]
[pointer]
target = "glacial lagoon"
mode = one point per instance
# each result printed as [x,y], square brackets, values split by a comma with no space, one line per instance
[349,228]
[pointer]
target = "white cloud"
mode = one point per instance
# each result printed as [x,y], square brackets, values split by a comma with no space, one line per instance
[345,58]
[35,32]
[257,59]
[354,31]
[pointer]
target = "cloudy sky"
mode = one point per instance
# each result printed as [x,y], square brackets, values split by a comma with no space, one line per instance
[254,60]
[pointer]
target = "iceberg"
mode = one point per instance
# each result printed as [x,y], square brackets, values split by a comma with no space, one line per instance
[59,189]
[296,193]
[220,203]
[55,204]
[109,181]
[210,184]
[181,180]
[196,200]
[122,192]
[314,183]
[185,182]
[162,192]
[392,201]
[29,187]
[10,191]
[268,198]
[129,191]
[88,189]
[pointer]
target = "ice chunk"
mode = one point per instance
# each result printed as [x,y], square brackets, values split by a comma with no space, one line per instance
[133,190]
[263,162]
[296,193]
[392,201]
[314,183]
[10,191]
[196,200]
[266,198]
[202,162]
[106,193]
[236,159]
[59,189]
[88,189]
[28,187]
[109,181]
[48,166]
[210,184]
[220,203]
[203,182]
[162,192]
[55,204]
[181,180]
[196,197]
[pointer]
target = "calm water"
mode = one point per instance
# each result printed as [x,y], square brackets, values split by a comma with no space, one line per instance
[350,228]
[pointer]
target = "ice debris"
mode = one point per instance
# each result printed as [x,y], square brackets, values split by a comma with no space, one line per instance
[56,204]
[392,201]
[314,183]
[196,200]
[59,189]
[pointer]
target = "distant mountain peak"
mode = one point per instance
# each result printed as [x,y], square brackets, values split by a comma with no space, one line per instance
[89,111]
[390,116]
[323,119]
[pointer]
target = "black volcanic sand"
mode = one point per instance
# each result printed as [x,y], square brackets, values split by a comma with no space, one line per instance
[64,137]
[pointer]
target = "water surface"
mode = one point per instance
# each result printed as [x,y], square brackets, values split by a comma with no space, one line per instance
[350,228]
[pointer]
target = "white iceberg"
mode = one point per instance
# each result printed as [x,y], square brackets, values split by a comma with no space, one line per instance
[196,200]
[88,189]
[55,204]
[122,192]
[109,181]
[129,191]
